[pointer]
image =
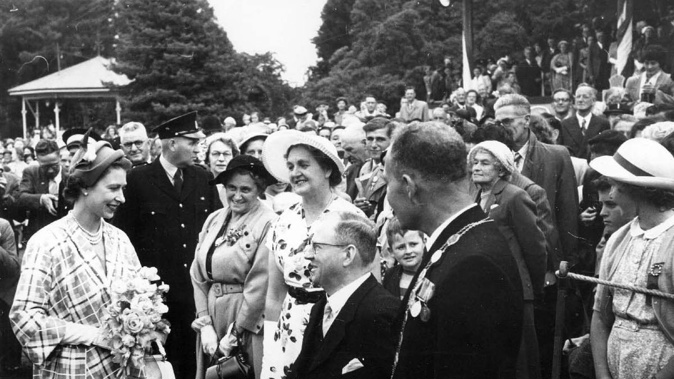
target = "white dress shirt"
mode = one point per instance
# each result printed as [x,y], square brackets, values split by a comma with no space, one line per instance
[169,168]
[338,299]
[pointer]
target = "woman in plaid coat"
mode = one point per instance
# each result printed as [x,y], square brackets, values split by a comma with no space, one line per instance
[68,266]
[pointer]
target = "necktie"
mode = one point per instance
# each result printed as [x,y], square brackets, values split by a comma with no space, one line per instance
[582,126]
[518,161]
[327,318]
[178,181]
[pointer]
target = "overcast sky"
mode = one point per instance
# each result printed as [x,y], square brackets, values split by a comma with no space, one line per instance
[283,27]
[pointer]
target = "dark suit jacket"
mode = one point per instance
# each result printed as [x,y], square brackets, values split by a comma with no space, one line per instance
[550,167]
[362,330]
[351,174]
[475,322]
[529,78]
[391,280]
[572,137]
[33,185]
[598,66]
[164,227]
[515,213]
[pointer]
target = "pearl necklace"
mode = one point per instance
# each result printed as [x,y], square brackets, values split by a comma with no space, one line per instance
[93,238]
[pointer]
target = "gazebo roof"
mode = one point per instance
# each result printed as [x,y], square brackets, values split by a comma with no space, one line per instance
[92,78]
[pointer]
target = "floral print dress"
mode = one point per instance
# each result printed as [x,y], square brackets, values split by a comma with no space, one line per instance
[289,239]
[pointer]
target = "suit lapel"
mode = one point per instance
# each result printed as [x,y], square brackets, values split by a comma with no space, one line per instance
[160,179]
[528,166]
[575,132]
[337,330]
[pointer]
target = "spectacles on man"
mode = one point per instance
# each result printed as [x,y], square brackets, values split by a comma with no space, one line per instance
[138,144]
[562,100]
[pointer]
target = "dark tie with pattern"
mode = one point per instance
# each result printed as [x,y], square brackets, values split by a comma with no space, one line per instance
[582,127]
[178,181]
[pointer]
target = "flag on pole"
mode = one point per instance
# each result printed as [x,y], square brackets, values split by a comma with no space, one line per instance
[624,35]
[466,75]
[467,40]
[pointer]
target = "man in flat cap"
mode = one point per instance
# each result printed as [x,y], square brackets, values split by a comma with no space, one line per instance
[167,203]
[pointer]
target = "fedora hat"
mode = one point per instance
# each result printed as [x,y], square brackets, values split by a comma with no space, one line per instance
[641,162]
[277,145]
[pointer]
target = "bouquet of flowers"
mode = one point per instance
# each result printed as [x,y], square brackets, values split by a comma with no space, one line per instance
[134,318]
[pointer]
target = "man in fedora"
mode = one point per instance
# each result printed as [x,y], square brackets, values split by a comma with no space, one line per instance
[167,203]
[350,331]
[462,317]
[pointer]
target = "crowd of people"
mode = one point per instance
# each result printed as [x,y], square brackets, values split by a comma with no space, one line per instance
[417,244]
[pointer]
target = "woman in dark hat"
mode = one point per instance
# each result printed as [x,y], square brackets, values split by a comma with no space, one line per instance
[59,308]
[229,271]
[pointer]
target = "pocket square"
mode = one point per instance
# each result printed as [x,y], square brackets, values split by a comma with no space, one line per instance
[352,366]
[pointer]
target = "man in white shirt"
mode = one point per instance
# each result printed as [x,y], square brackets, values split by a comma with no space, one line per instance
[350,331]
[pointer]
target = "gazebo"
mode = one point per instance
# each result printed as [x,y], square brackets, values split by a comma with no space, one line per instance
[90,79]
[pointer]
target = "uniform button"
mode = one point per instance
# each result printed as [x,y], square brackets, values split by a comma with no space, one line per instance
[180,205]
[185,245]
[185,264]
[152,212]
[182,226]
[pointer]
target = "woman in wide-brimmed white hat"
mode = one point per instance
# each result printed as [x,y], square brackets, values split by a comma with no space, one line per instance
[312,166]
[632,334]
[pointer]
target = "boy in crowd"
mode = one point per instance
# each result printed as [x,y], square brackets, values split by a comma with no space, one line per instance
[407,247]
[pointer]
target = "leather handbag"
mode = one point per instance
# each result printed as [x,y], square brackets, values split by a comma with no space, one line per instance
[235,366]
[157,367]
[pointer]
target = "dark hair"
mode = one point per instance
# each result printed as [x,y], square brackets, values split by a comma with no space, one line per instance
[75,183]
[359,231]
[431,149]
[492,132]
[380,123]
[641,125]
[341,98]
[655,53]
[657,197]
[393,229]
[540,127]
[46,147]
[552,121]
[324,161]
[602,184]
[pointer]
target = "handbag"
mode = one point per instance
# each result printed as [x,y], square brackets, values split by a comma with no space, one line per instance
[156,365]
[234,366]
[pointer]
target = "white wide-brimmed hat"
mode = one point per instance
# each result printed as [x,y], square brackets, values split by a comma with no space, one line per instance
[641,162]
[277,145]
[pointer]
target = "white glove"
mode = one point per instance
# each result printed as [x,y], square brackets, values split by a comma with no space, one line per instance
[228,342]
[209,340]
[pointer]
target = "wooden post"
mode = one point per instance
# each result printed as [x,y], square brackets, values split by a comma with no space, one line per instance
[23,115]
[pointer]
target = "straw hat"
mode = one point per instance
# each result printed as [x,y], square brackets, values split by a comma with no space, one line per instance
[640,162]
[277,145]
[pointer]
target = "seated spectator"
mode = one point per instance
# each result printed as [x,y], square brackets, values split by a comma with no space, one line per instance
[407,247]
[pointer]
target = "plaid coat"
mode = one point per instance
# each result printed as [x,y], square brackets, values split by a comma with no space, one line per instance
[63,282]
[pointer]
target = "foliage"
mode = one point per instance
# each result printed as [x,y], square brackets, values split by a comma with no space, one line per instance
[392,42]
[36,36]
[180,60]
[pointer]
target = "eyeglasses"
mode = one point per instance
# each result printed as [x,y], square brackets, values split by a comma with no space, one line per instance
[138,144]
[218,154]
[562,100]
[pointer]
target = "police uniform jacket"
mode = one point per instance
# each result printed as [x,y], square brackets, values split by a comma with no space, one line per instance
[164,226]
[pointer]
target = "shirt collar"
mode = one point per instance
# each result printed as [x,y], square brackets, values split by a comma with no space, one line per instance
[168,166]
[339,298]
[653,79]
[436,234]
[586,118]
[654,232]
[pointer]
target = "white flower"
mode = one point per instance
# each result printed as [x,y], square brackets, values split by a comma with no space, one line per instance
[149,273]
[118,287]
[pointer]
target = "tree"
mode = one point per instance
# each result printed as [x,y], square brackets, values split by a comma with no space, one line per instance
[181,60]
[38,36]
[333,34]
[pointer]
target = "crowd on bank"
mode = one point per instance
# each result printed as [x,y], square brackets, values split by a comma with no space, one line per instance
[363,242]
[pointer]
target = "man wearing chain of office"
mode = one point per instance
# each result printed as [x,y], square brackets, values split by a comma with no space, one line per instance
[462,316]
